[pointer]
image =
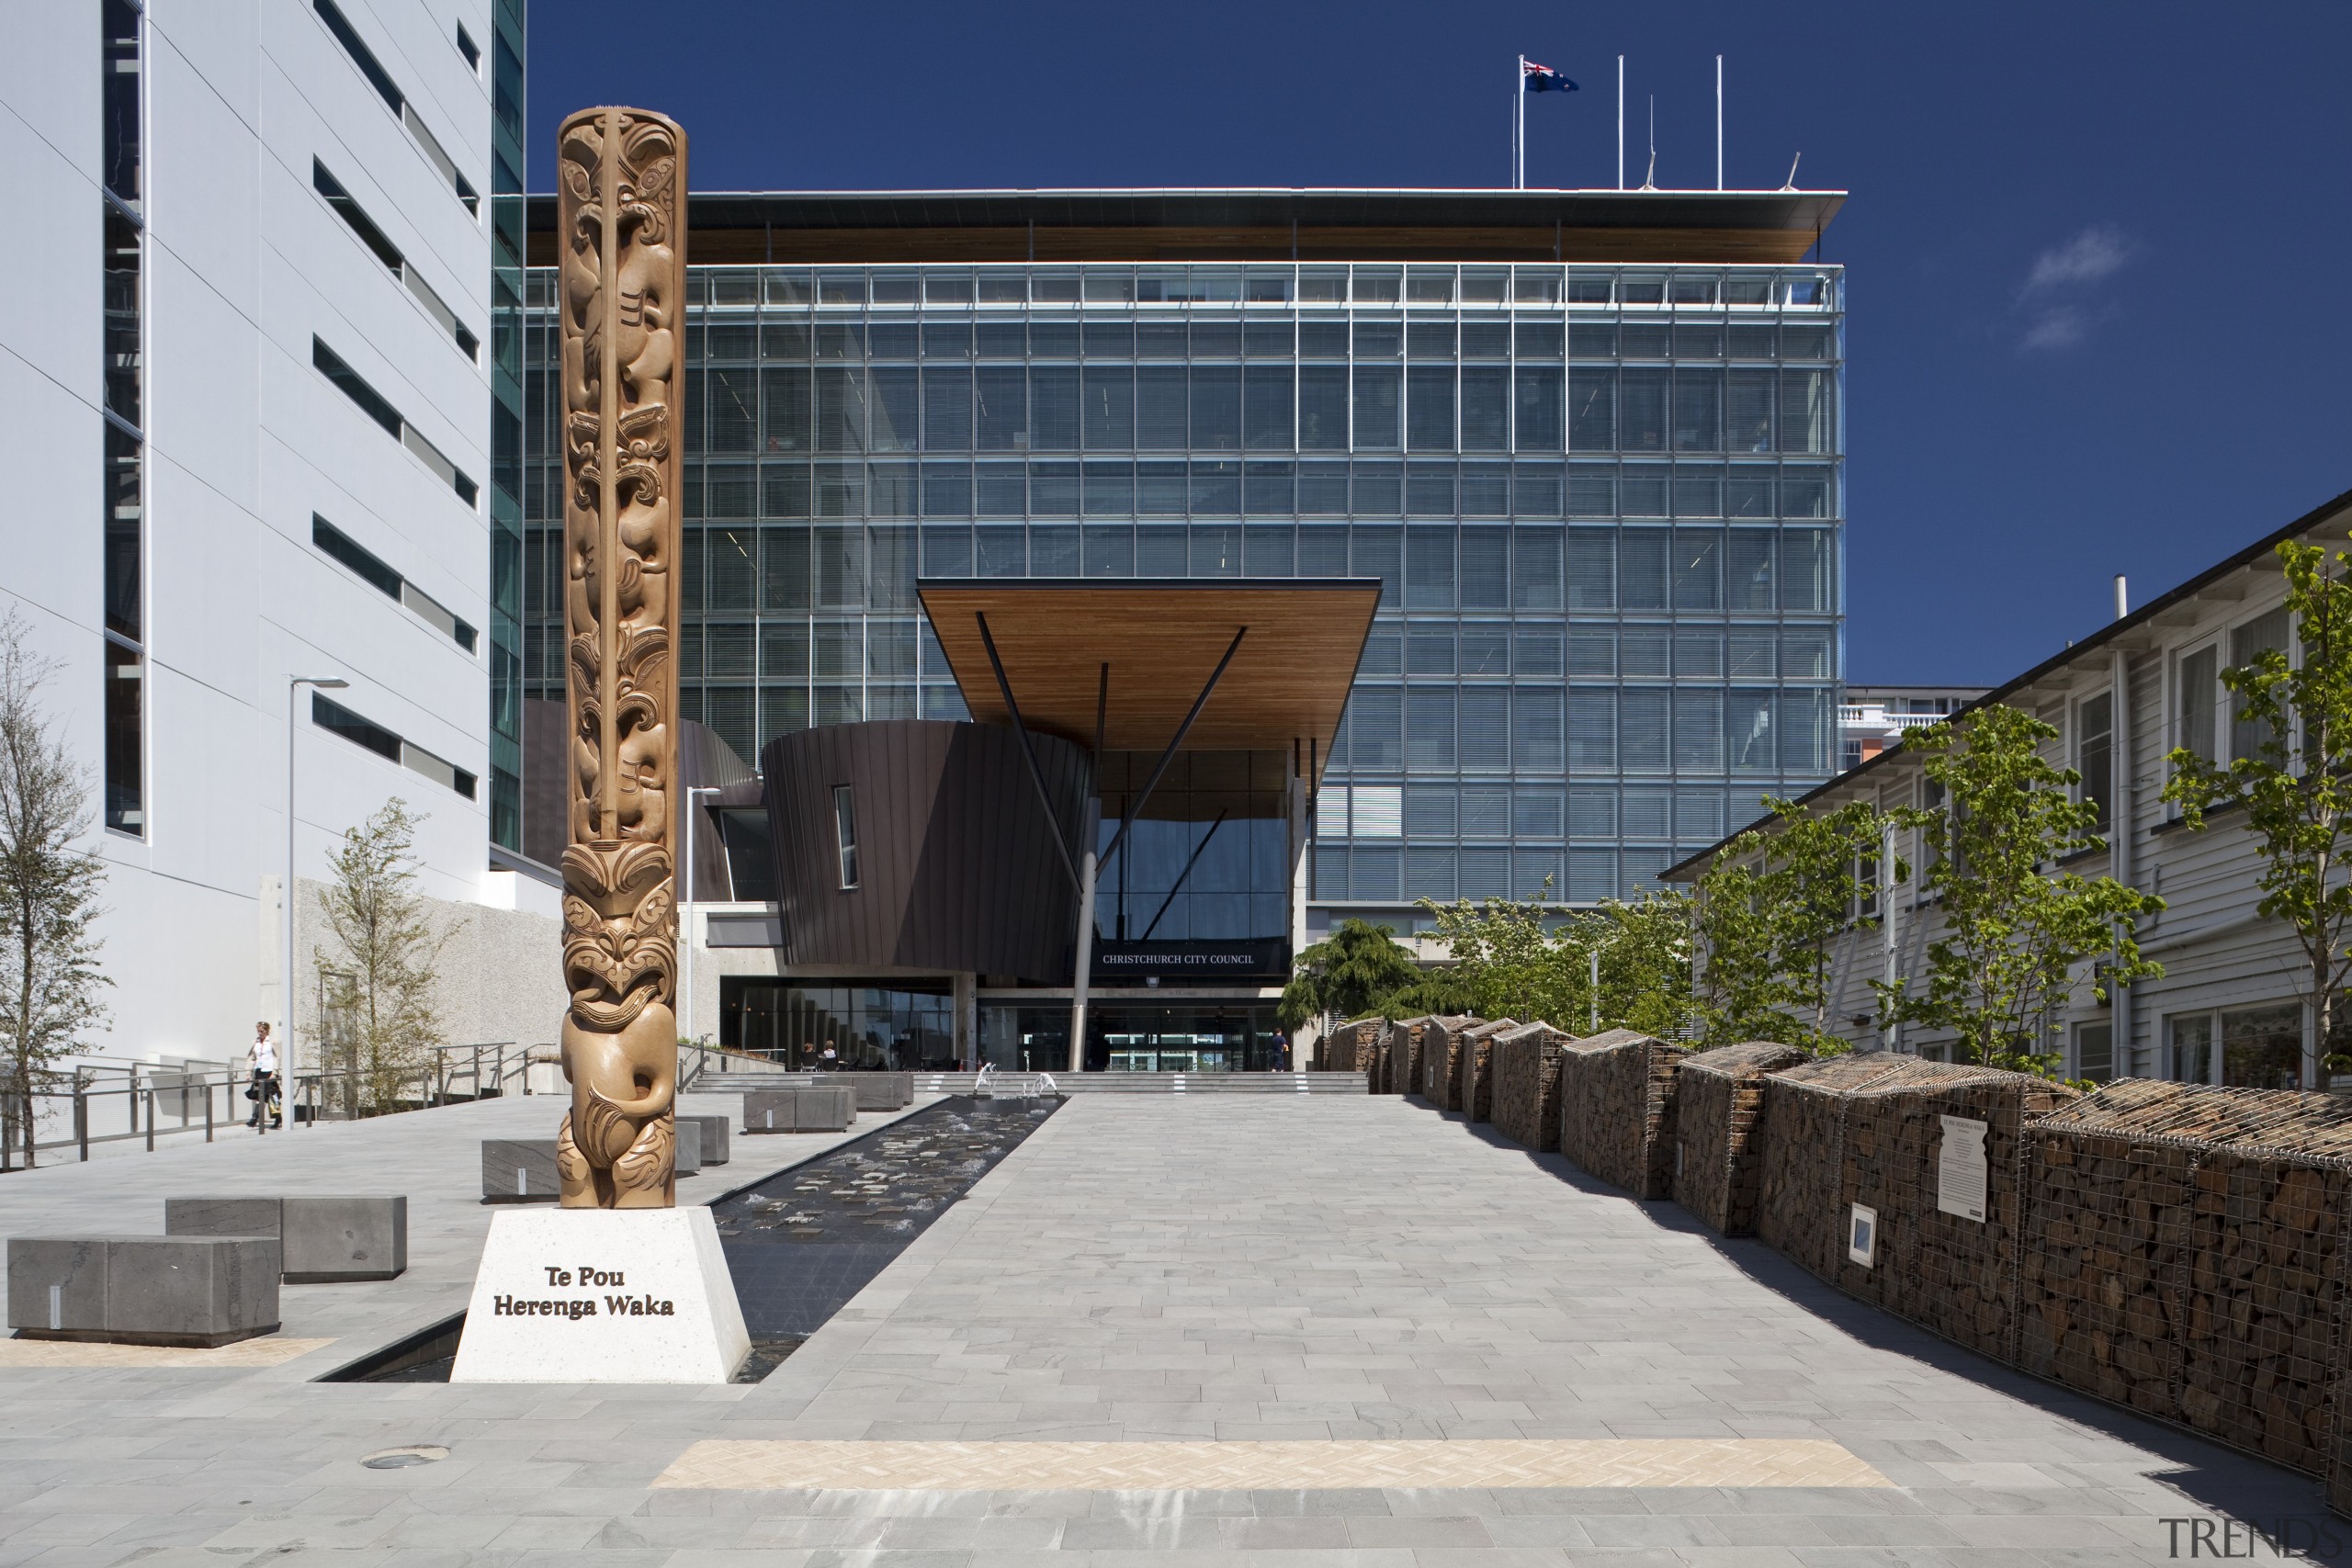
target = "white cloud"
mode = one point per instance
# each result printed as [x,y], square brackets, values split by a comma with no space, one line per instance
[2061,286]
[2062,326]
[2098,252]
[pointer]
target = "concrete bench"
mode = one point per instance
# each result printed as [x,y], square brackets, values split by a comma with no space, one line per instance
[875,1092]
[714,1137]
[144,1290]
[522,1170]
[322,1240]
[799,1110]
[519,1171]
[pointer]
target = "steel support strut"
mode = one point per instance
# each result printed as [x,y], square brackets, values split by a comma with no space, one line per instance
[1136,807]
[1028,753]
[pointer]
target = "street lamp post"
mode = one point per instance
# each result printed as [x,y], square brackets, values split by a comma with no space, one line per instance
[287,901]
[686,917]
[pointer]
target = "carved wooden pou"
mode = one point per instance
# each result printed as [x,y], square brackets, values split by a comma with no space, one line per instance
[621,204]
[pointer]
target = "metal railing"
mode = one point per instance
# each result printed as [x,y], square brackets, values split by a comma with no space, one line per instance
[697,1061]
[177,1100]
[170,1100]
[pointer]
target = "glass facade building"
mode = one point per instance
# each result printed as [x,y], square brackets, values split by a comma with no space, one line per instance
[1604,501]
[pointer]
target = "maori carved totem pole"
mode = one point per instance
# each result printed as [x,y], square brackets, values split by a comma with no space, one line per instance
[621,177]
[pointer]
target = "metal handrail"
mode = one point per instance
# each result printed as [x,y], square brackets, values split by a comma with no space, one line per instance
[152,1098]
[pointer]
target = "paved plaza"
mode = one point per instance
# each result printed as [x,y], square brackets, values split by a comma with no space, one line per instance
[1304,1331]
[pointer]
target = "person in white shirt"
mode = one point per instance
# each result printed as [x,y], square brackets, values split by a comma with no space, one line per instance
[264,1091]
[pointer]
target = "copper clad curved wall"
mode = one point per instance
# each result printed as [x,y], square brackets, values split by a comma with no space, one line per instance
[956,865]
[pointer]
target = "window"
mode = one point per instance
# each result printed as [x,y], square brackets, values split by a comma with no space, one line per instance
[337,546]
[469,48]
[2094,1052]
[2095,755]
[376,240]
[332,716]
[845,834]
[372,404]
[2264,634]
[2263,1047]
[2195,683]
[123,524]
[2189,1047]
[395,100]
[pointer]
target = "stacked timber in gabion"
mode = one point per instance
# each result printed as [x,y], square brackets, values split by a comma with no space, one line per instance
[1442,1061]
[1476,1066]
[1527,1085]
[2185,1256]
[1410,1042]
[1799,1212]
[1617,1108]
[1927,1215]
[1718,1096]
[1354,1047]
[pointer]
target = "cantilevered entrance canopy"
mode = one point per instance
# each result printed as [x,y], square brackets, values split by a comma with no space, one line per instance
[1283,689]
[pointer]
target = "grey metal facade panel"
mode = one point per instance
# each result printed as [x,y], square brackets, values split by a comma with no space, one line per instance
[956,865]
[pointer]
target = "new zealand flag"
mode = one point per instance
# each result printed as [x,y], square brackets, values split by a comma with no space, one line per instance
[1544,79]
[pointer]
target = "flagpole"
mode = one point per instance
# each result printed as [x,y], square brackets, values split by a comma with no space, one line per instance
[1719,122]
[1620,122]
[1519,127]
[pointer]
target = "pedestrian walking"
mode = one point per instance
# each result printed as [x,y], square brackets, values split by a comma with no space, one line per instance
[262,1089]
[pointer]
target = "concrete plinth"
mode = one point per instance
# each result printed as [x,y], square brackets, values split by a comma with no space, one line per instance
[686,1147]
[144,1290]
[602,1295]
[799,1110]
[324,1239]
[519,1171]
[714,1137]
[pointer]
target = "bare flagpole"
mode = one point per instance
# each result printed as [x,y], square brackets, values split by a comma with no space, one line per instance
[1719,122]
[1620,122]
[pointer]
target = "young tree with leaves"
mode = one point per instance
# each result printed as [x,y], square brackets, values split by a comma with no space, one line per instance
[49,882]
[1504,964]
[1769,911]
[2012,927]
[1347,975]
[384,972]
[2297,789]
[1644,947]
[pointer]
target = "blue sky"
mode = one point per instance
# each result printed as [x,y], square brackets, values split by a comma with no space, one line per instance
[2098,252]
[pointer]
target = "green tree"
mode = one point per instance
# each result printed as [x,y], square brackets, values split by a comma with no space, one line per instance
[2013,928]
[2296,790]
[1504,960]
[384,973]
[1768,911]
[50,882]
[1347,975]
[1643,946]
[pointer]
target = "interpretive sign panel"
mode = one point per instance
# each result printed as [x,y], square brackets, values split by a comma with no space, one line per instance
[1960,1169]
[602,1295]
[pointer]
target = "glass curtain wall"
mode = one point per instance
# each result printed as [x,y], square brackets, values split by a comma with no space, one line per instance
[507,218]
[1605,504]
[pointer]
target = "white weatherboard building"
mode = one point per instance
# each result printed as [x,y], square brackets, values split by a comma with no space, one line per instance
[249,326]
[2229,1008]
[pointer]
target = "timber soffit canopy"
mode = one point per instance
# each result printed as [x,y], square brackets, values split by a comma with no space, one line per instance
[747,227]
[1286,684]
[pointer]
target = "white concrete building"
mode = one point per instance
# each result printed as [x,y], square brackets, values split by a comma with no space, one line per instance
[2229,1007]
[248,317]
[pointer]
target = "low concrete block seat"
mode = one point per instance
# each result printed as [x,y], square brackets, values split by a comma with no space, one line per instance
[714,1137]
[799,1110]
[687,1146]
[875,1092]
[144,1290]
[325,1239]
[519,1171]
